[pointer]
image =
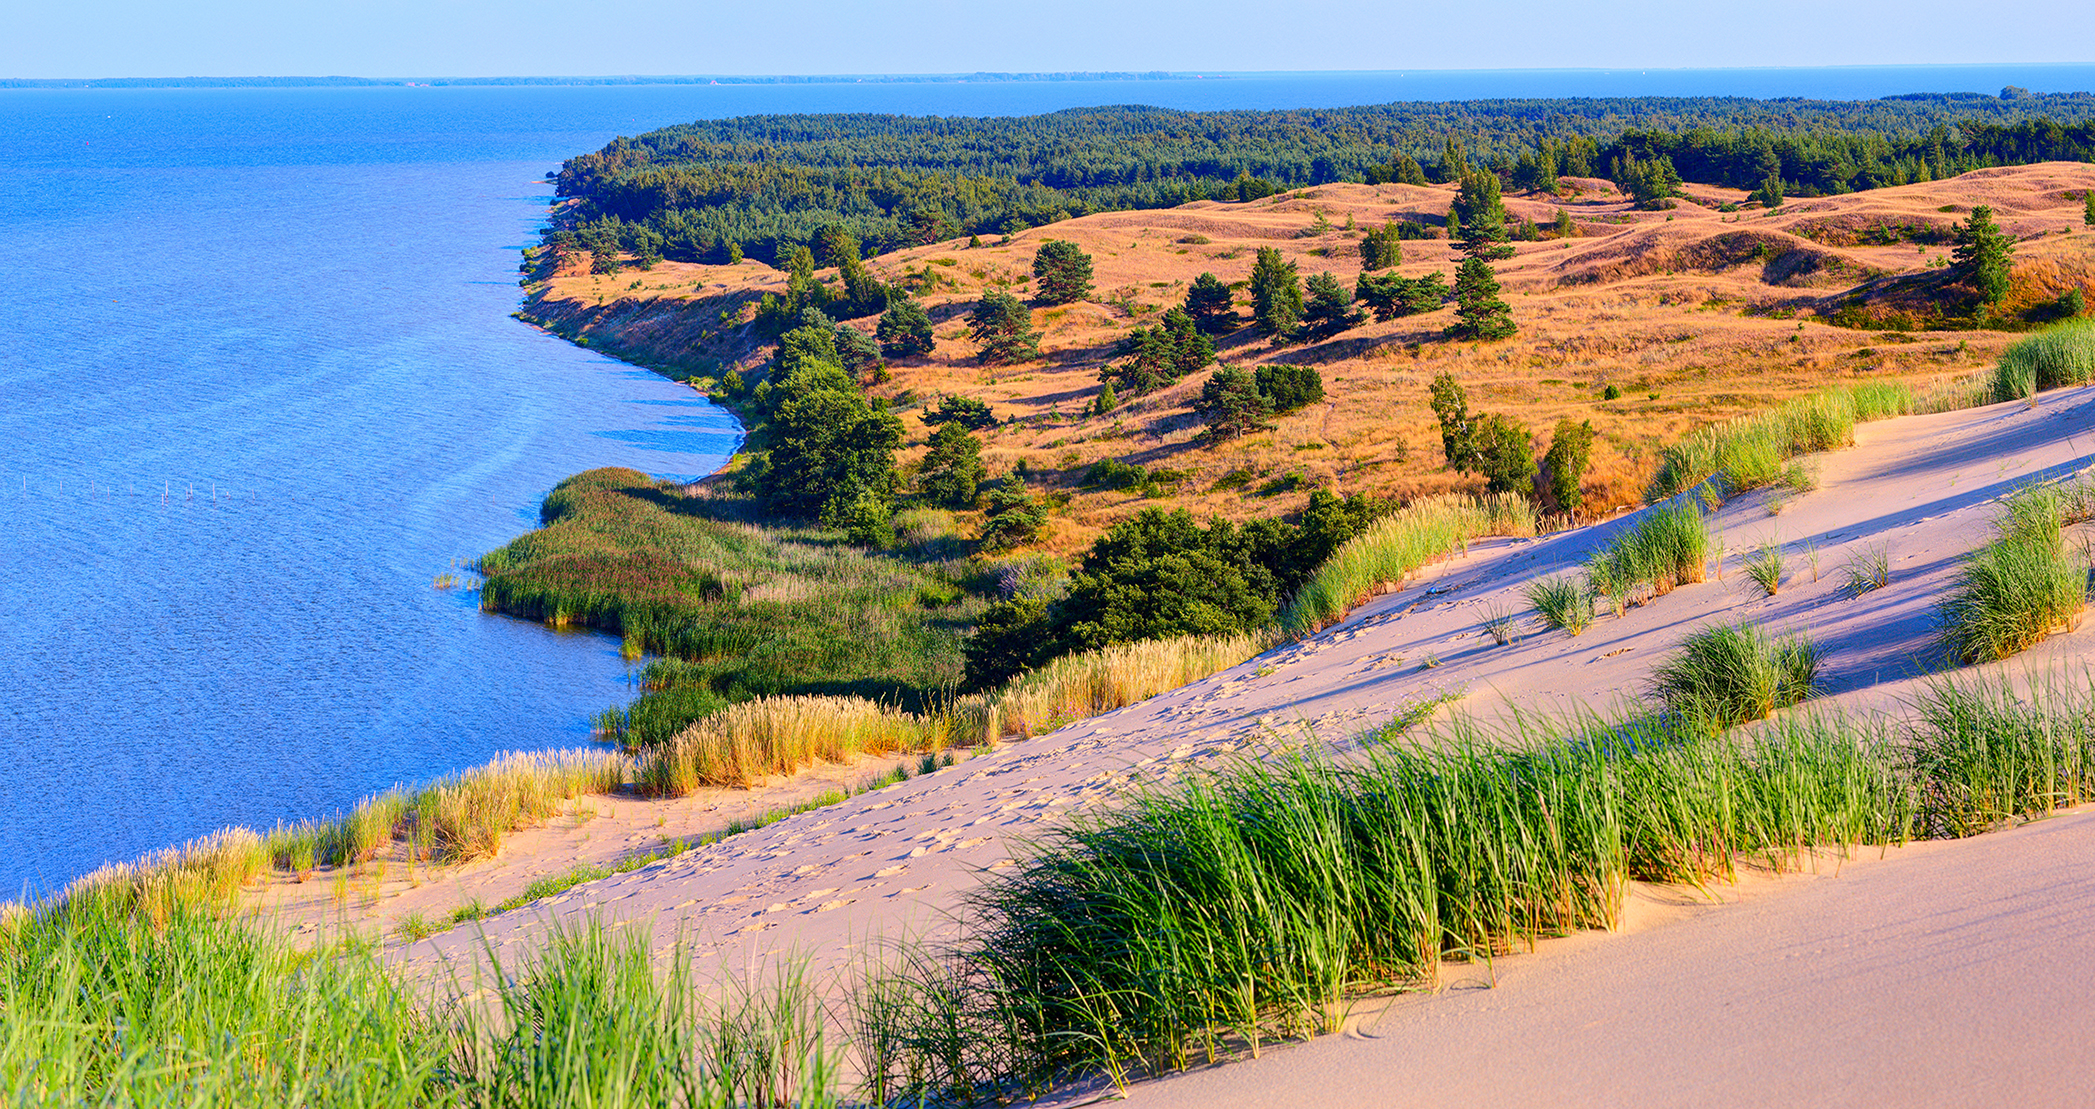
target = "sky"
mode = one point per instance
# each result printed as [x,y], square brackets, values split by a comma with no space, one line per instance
[482,38]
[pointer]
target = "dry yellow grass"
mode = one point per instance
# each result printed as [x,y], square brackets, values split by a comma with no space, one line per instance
[1076,686]
[1694,315]
[782,735]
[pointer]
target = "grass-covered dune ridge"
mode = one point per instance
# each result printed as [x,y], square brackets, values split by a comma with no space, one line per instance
[1247,906]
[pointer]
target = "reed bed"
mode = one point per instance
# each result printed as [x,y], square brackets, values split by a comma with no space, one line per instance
[2055,358]
[782,735]
[1076,686]
[2015,591]
[1396,546]
[1749,452]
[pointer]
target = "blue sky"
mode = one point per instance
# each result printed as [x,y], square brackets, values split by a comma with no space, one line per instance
[404,38]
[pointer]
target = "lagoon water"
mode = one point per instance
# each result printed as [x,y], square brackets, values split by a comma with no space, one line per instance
[259,389]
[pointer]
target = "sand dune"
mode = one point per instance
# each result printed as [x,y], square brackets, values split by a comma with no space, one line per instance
[1861,968]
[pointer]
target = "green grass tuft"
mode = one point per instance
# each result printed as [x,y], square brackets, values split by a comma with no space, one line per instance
[2015,591]
[2058,357]
[1731,673]
[1564,603]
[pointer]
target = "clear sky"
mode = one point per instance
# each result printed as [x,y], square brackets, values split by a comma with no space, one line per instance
[477,38]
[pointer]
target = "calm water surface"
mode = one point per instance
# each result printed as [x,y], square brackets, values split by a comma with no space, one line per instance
[259,388]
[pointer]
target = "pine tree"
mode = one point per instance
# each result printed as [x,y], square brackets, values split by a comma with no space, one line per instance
[1564,228]
[1454,159]
[905,329]
[1382,248]
[1329,309]
[1003,329]
[1982,256]
[1480,215]
[1063,272]
[1409,172]
[1276,293]
[1210,304]
[952,468]
[1230,403]
[1479,313]
[2087,215]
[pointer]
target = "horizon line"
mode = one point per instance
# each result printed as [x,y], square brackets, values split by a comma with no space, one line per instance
[957,76]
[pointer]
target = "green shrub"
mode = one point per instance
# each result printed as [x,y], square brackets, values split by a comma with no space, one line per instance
[1731,673]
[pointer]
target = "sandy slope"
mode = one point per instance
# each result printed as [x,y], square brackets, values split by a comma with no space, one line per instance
[900,861]
[1946,974]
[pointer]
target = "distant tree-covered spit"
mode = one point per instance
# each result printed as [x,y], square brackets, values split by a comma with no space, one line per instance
[714,190]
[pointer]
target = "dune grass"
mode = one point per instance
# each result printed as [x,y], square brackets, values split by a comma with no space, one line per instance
[2015,591]
[1396,546]
[1732,673]
[1073,687]
[1867,569]
[1764,567]
[1749,452]
[1564,603]
[1668,548]
[2055,358]
[199,1010]
[781,735]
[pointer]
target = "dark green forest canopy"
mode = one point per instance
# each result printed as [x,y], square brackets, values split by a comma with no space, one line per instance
[766,183]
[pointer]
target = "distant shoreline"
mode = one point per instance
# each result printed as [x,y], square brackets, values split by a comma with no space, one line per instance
[2073,72]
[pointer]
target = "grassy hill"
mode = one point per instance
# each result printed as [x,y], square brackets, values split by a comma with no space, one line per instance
[1689,316]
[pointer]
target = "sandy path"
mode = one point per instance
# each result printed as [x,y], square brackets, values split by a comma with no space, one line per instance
[1946,974]
[899,862]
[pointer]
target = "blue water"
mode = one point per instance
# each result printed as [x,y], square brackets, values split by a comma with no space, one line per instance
[259,387]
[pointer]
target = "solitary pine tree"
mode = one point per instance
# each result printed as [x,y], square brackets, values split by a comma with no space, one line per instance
[2087,215]
[1479,313]
[1210,304]
[1409,172]
[1276,293]
[1481,217]
[1063,272]
[1003,329]
[1564,228]
[1982,256]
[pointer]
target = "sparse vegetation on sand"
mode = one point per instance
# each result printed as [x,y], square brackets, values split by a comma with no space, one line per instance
[1564,603]
[2018,589]
[1732,673]
[1749,452]
[1270,892]
[1667,548]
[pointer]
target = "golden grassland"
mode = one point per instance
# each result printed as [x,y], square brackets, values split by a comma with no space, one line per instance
[1694,315]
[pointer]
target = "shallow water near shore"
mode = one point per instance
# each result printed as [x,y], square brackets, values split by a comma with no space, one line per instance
[260,390]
